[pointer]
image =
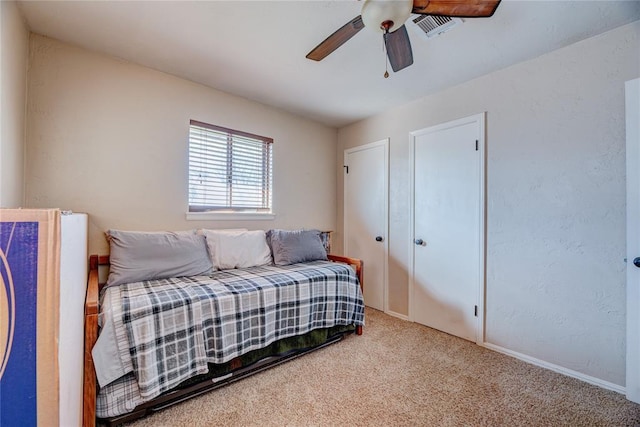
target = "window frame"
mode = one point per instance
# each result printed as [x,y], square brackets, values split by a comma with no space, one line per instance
[229,211]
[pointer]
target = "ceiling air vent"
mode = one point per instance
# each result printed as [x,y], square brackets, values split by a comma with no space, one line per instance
[432,26]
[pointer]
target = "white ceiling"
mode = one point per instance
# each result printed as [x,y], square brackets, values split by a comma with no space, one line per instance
[256,49]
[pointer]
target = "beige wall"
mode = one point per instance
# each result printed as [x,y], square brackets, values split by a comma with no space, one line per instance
[555,286]
[14,45]
[110,138]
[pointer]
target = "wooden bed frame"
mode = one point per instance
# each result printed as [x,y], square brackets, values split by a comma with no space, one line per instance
[91,311]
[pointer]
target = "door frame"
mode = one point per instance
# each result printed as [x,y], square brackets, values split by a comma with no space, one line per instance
[632,110]
[385,242]
[479,119]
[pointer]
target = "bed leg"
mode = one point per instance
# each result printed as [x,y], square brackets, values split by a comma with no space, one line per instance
[89,398]
[359,330]
[90,337]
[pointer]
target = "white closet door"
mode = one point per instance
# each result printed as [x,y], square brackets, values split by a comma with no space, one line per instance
[448,230]
[365,216]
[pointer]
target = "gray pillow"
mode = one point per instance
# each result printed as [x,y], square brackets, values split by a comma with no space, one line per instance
[137,256]
[293,246]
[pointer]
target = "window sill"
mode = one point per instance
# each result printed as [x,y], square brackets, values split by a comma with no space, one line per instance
[231,216]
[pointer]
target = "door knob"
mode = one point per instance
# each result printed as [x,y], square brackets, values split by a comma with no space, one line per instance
[379,239]
[419,242]
[636,262]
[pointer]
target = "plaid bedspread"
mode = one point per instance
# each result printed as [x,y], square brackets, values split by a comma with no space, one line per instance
[168,330]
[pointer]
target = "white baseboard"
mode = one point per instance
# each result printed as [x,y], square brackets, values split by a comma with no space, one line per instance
[556,368]
[398,315]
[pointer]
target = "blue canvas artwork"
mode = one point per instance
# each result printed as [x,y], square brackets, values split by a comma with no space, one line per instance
[18,315]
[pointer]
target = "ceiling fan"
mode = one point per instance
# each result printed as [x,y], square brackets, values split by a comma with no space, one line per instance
[389,16]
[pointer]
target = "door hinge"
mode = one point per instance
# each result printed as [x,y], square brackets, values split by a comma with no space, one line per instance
[346,167]
[476,145]
[475,311]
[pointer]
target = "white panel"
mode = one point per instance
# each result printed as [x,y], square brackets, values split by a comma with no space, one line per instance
[633,238]
[73,285]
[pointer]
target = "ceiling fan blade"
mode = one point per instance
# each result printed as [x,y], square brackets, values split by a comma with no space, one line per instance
[336,39]
[398,49]
[456,8]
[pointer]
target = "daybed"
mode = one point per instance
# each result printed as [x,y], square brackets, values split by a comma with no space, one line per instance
[173,327]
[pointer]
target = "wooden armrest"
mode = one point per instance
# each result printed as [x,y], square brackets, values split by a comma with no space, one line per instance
[357,263]
[91,303]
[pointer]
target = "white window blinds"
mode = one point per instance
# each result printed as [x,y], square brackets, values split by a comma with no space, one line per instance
[228,170]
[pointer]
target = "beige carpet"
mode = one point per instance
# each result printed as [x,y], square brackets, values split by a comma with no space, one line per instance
[403,374]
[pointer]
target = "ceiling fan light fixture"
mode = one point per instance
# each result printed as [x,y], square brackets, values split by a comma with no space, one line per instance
[376,12]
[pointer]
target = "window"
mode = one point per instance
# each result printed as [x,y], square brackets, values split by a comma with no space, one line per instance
[229,170]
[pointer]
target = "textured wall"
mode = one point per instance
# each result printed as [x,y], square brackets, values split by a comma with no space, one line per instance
[110,138]
[14,40]
[555,285]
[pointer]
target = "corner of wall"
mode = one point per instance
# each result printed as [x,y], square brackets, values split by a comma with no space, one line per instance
[26,118]
[13,82]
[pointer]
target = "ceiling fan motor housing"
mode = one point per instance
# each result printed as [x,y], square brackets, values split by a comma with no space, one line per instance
[386,15]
